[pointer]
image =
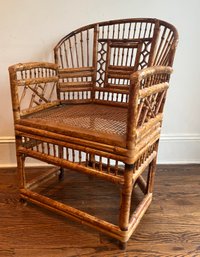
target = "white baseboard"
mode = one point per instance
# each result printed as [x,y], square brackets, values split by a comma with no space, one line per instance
[173,149]
[179,149]
[8,154]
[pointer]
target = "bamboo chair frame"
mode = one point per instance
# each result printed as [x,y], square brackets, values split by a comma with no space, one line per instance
[119,68]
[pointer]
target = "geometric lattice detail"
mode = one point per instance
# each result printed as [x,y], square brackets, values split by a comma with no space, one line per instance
[37,85]
[122,61]
[37,94]
[83,158]
[149,107]
[102,52]
[144,57]
[144,157]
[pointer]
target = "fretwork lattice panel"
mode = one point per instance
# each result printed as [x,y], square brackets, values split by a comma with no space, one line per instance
[36,86]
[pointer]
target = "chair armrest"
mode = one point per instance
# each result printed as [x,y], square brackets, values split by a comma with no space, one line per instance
[33,87]
[147,72]
[146,99]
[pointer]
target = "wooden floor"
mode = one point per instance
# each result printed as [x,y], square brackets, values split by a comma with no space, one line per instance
[171,226]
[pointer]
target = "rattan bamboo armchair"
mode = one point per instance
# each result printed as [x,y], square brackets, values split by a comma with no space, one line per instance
[97,110]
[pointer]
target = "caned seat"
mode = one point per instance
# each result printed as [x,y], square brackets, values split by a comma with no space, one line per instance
[91,121]
[97,110]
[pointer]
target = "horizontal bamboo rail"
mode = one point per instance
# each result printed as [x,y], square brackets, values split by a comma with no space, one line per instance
[106,102]
[75,74]
[143,166]
[26,82]
[71,212]
[75,146]
[112,88]
[20,130]
[67,164]
[42,179]
[150,71]
[75,84]
[80,88]
[39,108]
[75,101]
[153,90]
[75,132]
[32,65]
[147,126]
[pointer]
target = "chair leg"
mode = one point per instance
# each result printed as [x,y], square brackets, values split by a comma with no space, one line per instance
[21,174]
[151,173]
[23,201]
[61,175]
[126,193]
[151,176]
[20,164]
[122,245]
[91,163]
[61,171]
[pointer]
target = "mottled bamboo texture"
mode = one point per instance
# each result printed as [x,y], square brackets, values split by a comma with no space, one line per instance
[98,110]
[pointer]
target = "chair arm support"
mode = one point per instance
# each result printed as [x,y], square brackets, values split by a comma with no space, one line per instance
[33,87]
[146,98]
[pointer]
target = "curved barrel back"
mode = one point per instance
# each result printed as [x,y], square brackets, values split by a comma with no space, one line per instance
[96,61]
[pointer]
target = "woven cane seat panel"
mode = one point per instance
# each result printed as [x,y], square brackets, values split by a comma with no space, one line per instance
[103,122]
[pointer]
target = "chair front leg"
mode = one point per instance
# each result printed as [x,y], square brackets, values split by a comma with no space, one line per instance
[126,197]
[20,164]
[61,174]
[151,173]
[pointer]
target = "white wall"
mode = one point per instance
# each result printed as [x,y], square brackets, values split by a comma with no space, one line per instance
[30,29]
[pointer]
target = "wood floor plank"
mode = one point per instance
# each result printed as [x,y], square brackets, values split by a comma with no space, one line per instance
[170,227]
